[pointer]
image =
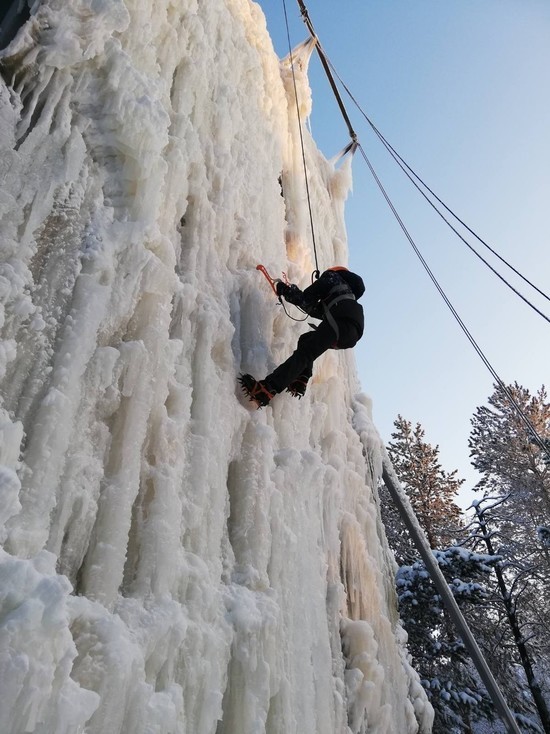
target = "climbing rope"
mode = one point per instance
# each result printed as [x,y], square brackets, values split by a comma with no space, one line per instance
[410,173]
[537,439]
[414,178]
[316,271]
[328,66]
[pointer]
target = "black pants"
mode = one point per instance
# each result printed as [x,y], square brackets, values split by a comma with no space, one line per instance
[310,346]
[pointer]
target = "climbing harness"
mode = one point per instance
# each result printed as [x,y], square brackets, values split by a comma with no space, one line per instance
[338,293]
[341,292]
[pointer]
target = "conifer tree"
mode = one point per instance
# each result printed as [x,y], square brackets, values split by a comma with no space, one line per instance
[437,652]
[514,462]
[502,632]
[505,451]
[431,490]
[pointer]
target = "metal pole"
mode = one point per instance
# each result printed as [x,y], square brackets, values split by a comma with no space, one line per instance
[326,67]
[417,534]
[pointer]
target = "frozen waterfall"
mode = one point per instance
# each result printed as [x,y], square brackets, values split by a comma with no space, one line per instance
[172,561]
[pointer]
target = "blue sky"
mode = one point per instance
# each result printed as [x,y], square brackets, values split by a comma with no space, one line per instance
[460,88]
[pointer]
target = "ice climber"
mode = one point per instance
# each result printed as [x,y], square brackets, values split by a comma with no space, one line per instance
[333,299]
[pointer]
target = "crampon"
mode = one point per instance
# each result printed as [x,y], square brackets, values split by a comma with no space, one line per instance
[256,390]
[297,387]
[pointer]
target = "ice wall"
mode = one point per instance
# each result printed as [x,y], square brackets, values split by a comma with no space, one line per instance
[174,562]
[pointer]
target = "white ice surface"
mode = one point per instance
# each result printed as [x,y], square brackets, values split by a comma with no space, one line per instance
[172,561]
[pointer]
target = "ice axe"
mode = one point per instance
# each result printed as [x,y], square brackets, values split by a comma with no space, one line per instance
[272,281]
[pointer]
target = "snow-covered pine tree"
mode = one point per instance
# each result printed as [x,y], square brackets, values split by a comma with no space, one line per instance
[516,476]
[431,490]
[438,654]
[498,622]
[503,448]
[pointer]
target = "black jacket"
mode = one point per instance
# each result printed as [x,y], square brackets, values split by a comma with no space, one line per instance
[337,290]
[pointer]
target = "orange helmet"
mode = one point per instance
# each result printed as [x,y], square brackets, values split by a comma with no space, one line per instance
[338,267]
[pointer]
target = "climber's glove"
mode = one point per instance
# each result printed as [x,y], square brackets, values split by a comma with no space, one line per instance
[281,287]
[288,290]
